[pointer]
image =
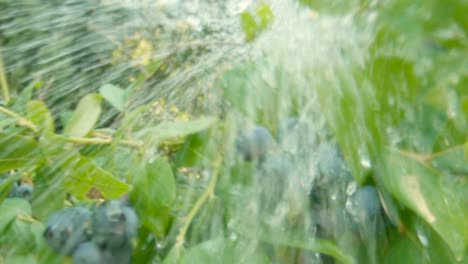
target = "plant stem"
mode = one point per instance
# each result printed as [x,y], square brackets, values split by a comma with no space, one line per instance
[3,81]
[208,193]
[27,218]
[21,120]
[86,141]
[104,141]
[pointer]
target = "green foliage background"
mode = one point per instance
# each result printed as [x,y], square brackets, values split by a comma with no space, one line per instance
[399,114]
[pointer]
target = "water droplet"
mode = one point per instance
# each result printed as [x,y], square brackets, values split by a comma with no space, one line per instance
[423,238]
[352,186]
[233,236]
[366,163]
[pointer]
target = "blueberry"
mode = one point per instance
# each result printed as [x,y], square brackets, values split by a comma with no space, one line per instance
[25,191]
[296,137]
[121,255]
[88,253]
[113,224]
[67,228]
[277,165]
[286,128]
[364,204]
[277,172]
[132,221]
[253,143]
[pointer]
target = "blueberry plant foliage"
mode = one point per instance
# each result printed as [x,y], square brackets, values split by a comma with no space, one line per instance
[391,187]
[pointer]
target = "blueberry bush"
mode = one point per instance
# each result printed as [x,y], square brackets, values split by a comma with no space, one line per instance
[320,133]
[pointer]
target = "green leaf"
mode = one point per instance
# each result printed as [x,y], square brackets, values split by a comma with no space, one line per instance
[21,101]
[410,249]
[81,174]
[21,259]
[249,26]
[65,117]
[154,190]
[211,251]
[85,116]
[222,250]
[39,114]
[10,209]
[265,14]
[23,234]
[176,129]
[114,95]
[365,104]
[44,201]
[174,255]
[53,144]
[405,251]
[452,161]
[234,83]
[291,238]
[156,184]
[440,202]
[17,151]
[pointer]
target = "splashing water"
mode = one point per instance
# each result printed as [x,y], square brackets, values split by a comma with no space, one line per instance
[159,104]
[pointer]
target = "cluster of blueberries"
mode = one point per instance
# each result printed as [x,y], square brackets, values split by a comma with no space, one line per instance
[334,196]
[102,234]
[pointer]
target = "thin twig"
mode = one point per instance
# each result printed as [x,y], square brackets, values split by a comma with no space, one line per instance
[208,193]
[21,120]
[104,141]
[3,81]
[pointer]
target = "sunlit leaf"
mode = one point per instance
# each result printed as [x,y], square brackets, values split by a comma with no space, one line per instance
[176,129]
[39,114]
[265,14]
[85,116]
[249,25]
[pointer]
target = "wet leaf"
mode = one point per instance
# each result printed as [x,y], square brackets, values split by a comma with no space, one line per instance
[154,190]
[211,251]
[10,209]
[420,188]
[294,239]
[174,255]
[81,175]
[452,161]
[39,114]
[21,259]
[17,151]
[85,116]
[114,95]
[155,183]
[21,101]
[176,129]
